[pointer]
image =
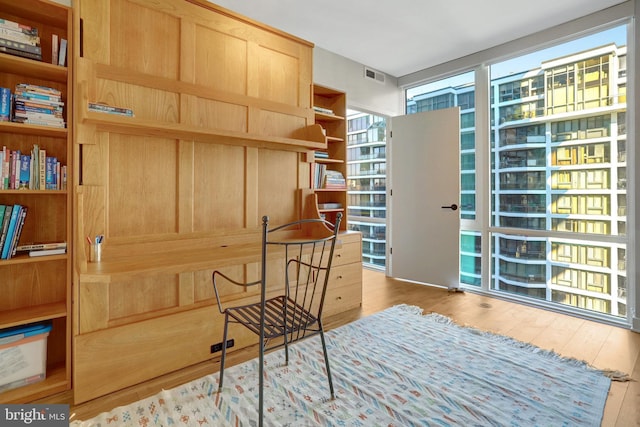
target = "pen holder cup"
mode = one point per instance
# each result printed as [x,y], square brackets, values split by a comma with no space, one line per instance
[95,252]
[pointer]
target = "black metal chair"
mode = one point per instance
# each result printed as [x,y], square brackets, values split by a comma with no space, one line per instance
[296,312]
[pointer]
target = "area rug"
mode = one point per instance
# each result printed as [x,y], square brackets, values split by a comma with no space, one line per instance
[394,368]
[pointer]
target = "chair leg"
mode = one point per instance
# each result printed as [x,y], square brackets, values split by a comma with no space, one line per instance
[224,351]
[326,362]
[261,383]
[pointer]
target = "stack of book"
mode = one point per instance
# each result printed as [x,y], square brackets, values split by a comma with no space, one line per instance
[13,217]
[33,171]
[329,179]
[38,105]
[42,249]
[20,40]
[322,110]
[333,179]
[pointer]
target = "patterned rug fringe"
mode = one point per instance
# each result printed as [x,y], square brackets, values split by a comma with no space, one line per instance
[616,375]
[439,318]
[411,309]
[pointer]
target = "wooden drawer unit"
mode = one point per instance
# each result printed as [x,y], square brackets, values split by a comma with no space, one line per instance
[345,289]
[345,283]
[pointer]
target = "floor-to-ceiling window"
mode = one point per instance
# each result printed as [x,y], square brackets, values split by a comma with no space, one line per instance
[366,181]
[557,171]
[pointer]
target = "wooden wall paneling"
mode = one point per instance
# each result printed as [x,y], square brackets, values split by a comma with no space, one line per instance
[278,185]
[252,220]
[93,214]
[221,60]
[145,39]
[114,358]
[93,312]
[143,186]
[186,289]
[96,22]
[219,176]
[186,185]
[144,295]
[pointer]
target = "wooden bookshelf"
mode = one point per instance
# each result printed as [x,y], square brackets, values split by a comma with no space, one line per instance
[334,123]
[39,289]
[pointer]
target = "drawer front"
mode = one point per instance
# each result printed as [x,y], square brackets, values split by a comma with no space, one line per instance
[347,253]
[339,299]
[344,291]
[343,275]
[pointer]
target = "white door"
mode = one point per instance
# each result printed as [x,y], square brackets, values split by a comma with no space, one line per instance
[425,193]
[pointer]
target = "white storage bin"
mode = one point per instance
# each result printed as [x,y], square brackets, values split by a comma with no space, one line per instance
[23,355]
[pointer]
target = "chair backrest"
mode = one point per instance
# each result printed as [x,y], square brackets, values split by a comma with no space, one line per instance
[307,254]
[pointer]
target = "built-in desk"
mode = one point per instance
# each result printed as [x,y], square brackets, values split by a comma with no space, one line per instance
[146,314]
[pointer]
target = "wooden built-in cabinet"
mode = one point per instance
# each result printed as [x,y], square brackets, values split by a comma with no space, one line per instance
[220,134]
[38,289]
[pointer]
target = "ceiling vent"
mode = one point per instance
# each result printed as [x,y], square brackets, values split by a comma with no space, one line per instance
[372,74]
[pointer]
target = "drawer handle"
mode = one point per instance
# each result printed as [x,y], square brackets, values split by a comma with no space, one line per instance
[340,277]
[338,255]
[339,298]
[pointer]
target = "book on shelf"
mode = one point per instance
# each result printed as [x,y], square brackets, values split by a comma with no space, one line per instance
[321,155]
[5,104]
[324,178]
[13,221]
[54,49]
[20,40]
[20,53]
[45,252]
[21,46]
[31,171]
[333,179]
[323,110]
[4,225]
[26,29]
[110,109]
[38,105]
[326,206]
[18,232]
[62,52]
[39,246]
[19,36]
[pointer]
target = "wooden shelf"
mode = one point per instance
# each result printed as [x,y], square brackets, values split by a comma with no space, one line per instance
[26,129]
[328,161]
[32,68]
[35,192]
[37,289]
[26,259]
[330,190]
[328,117]
[32,314]
[55,382]
[335,128]
[133,126]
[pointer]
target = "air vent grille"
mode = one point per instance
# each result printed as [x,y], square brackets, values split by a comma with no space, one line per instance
[372,74]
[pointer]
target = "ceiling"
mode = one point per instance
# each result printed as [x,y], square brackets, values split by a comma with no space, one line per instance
[399,37]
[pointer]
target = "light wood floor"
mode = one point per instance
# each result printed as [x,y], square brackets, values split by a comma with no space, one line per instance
[603,346]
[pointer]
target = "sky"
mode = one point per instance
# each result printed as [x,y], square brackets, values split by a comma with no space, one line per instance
[617,35]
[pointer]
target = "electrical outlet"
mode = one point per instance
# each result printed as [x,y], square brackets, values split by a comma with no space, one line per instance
[218,346]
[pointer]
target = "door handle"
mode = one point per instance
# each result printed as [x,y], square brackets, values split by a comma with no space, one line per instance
[453,207]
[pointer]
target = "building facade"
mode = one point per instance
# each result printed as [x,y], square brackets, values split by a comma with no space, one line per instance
[558,180]
[366,181]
